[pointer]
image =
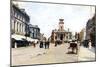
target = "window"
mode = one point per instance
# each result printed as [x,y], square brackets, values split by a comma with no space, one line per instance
[17,26]
[23,19]
[19,16]
[15,14]
[14,25]
[34,30]
[20,27]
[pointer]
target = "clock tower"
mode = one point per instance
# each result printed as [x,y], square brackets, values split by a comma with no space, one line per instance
[61,24]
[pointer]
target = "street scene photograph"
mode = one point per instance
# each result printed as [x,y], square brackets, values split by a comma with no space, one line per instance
[52,33]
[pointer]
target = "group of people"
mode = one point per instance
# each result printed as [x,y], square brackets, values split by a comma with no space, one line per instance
[73,45]
[44,44]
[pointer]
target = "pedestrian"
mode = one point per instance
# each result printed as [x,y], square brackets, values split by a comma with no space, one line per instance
[34,45]
[41,44]
[55,43]
[45,44]
[90,44]
[85,43]
[48,43]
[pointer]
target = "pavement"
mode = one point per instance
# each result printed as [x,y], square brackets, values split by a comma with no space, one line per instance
[30,55]
[86,54]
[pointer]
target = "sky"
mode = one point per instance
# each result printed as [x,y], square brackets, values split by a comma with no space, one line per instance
[47,16]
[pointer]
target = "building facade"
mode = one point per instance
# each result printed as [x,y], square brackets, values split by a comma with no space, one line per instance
[91,30]
[82,34]
[61,34]
[19,23]
[34,31]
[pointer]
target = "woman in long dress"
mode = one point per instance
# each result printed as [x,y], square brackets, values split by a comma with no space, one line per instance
[90,44]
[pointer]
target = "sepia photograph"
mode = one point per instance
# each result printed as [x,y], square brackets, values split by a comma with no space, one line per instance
[52,33]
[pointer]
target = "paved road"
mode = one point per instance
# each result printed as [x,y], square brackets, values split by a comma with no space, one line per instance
[31,55]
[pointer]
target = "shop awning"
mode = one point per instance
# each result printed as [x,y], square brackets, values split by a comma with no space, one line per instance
[18,37]
[32,40]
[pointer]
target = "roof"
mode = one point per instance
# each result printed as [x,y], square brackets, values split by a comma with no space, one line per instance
[33,26]
[21,10]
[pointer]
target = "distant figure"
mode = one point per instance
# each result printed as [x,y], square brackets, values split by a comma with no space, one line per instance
[34,44]
[90,44]
[45,45]
[55,43]
[41,44]
[85,43]
[48,43]
[73,46]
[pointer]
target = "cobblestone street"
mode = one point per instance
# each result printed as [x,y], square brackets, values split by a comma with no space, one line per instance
[30,55]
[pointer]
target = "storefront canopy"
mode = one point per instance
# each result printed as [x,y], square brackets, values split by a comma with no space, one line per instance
[32,40]
[18,37]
